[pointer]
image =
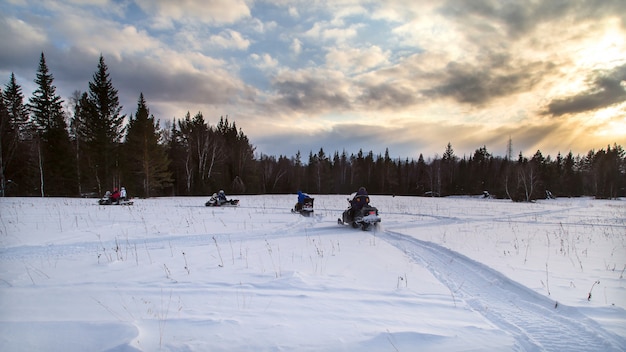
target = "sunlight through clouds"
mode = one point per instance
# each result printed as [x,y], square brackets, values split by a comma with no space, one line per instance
[547,74]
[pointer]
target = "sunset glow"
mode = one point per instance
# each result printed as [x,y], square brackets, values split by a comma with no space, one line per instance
[370,75]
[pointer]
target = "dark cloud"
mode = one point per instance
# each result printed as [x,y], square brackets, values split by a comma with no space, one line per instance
[607,88]
[311,94]
[21,49]
[170,85]
[481,18]
[387,95]
[73,69]
[480,15]
[495,77]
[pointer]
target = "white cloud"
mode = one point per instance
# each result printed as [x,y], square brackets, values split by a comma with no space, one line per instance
[293,12]
[90,2]
[296,46]
[264,61]
[257,25]
[108,37]
[401,11]
[205,11]
[230,39]
[325,31]
[21,33]
[356,59]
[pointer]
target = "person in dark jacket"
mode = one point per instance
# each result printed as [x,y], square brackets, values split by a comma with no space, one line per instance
[221,197]
[360,199]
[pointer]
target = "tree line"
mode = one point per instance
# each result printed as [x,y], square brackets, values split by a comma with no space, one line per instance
[89,146]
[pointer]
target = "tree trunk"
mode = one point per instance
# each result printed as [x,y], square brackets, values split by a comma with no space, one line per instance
[41,180]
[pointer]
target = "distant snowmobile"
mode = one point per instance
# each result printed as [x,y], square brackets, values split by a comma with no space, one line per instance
[215,201]
[305,208]
[365,217]
[107,199]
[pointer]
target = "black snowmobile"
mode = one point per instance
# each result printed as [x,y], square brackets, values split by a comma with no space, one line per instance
[108,200]
[214,201]
[305,208]
[364,218]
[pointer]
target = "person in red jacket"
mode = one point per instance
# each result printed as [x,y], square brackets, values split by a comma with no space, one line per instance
[115,196]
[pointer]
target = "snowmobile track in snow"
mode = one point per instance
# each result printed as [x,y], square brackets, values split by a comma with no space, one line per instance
[534,321]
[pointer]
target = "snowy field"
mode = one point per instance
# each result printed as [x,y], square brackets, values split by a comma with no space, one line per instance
[447,274]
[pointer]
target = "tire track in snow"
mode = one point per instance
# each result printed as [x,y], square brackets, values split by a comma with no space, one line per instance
[429,219]
[529,317]
[154,240]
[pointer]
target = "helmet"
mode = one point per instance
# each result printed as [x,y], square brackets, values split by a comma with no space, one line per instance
[115,189]
[123,189]
[221,191]
[362,189]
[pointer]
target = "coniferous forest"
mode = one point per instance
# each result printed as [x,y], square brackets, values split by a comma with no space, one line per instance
[47,150]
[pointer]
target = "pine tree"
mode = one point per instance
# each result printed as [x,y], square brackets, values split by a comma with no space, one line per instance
[7,136]
[77,127]
[446,175]
[14,130]
[54,155]
[177,155]
[102,130]
[17,110]
[238,165]
[423,184]
[147,159]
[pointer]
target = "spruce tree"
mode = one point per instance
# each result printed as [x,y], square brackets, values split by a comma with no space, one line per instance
[102,130]
[177,155]
[54,155]
[147,159]
[17,110]
[82,109]
[7,135]
[13,134]
[238,165]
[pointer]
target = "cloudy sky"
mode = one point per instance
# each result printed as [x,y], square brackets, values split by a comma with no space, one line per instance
[406,75]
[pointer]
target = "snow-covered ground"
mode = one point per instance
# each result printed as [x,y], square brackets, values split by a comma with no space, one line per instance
[448,274]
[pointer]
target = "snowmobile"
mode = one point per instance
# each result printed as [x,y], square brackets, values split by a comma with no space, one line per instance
[364,218]
[305,208]
[107,200]
[214,201]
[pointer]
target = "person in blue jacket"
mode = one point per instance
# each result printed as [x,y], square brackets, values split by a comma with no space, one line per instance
[301,197]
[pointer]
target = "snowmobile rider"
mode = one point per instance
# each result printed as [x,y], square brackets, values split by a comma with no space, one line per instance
[123,194]
[115,196]
[360,199]
[301,197]
[221,197]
